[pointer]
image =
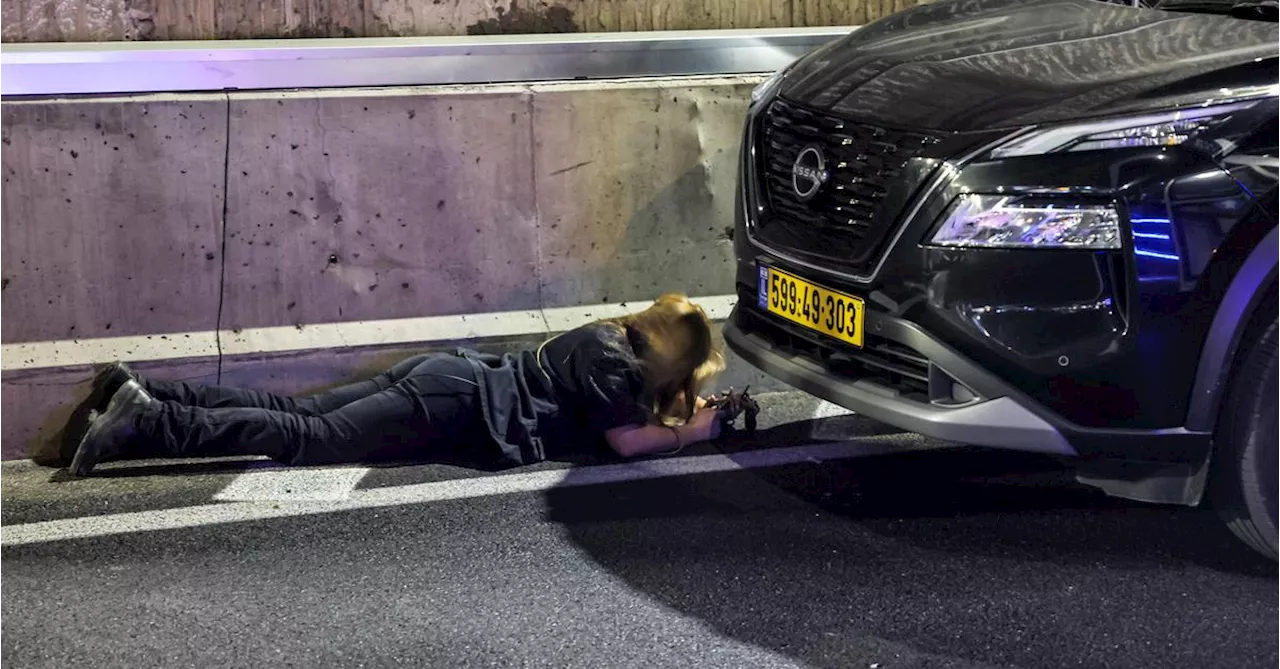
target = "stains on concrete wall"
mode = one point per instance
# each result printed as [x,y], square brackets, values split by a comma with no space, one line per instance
[635,187]
[170,19]
[140,21]
[112,220]
[380,204]
[62,20]
[114,20]
[362,205]
[628,15]
[105,20]
[251,19]
[517,20]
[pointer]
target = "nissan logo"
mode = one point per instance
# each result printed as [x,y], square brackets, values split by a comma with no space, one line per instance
[808,173]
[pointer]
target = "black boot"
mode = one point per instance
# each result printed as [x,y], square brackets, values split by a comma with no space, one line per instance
[111,431]
[108,380]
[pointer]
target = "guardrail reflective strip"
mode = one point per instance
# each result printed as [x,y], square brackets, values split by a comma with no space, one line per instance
[425,330]
[188,66]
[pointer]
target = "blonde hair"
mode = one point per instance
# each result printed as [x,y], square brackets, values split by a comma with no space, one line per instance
[677,351]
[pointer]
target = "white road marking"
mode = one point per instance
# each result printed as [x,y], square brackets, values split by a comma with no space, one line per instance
[423,493]
[181,345]
[301,484]
[826,409]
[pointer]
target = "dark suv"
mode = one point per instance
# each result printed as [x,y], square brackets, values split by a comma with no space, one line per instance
[1042,225]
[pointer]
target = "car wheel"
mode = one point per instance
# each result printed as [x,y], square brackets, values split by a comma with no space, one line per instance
[1245,465]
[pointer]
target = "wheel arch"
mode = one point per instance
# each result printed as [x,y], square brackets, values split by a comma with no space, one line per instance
[1256,277]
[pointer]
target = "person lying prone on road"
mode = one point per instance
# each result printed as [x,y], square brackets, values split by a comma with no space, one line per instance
[632,381]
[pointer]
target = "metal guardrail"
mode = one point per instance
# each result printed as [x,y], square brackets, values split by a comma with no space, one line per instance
[50,69]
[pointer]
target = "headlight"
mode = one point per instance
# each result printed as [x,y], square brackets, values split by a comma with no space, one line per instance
[1001,221]
[1163,129]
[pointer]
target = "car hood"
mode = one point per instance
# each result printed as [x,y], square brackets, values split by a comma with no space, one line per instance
[967,65]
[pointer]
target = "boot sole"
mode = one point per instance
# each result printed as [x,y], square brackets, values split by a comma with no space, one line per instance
[80,462]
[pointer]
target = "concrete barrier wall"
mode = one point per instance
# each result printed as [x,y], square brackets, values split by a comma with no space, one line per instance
[116,20]
[380,204]
[363,223]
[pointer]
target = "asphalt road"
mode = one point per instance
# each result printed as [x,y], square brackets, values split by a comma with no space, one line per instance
[943,557]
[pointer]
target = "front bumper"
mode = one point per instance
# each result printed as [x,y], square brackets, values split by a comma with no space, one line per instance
[989,412]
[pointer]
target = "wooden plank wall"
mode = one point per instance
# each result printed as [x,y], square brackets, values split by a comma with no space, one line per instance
[115,20]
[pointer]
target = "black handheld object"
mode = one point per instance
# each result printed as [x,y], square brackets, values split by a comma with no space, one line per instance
[732,404]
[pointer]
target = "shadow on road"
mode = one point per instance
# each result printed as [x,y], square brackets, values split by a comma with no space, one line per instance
[968,554]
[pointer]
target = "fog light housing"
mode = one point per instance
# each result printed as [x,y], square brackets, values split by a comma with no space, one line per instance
[1003,221]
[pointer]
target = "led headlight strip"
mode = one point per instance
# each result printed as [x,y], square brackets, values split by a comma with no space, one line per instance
[1000,221]
[1003,221]
[1162,129]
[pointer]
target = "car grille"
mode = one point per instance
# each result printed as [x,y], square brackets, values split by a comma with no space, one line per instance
[880,360]
[845,222]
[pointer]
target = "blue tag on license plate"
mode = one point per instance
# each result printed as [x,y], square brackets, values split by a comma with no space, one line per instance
[762,290]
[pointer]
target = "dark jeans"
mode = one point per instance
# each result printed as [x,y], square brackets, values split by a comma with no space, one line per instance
[421,407]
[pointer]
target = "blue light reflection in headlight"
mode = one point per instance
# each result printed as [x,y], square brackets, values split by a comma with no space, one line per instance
[1005,221]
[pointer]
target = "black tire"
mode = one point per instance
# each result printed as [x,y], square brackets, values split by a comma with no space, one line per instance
[1245,463]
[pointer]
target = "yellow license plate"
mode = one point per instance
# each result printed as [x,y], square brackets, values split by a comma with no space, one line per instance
[832,313]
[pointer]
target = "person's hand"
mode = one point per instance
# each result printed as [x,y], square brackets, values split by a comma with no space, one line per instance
[705,425]
[699,404]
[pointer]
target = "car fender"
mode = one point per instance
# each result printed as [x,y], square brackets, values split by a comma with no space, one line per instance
[1241,299]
